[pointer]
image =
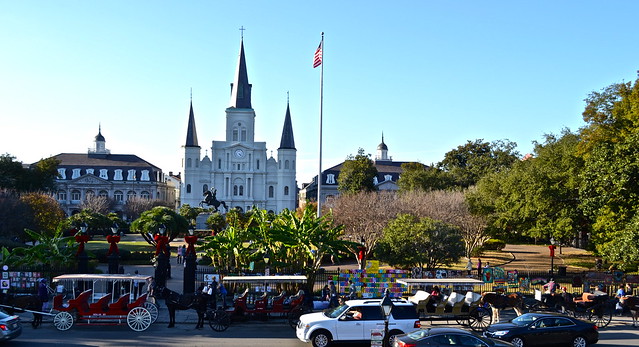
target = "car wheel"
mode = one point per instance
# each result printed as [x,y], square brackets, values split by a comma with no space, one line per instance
[579,341]
[517,341]
[321,339]
[390,340]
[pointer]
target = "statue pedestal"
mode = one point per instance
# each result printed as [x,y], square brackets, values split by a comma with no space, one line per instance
[200,221]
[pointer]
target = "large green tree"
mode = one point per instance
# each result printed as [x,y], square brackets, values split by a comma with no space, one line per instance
[39,176]
[538,197]
[357,174]
[473,160]
[424,242]
[150,221]
[416,176]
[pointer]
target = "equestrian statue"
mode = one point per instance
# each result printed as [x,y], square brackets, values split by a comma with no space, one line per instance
[211,200]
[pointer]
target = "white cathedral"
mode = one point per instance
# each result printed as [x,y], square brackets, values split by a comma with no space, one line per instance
[238,170]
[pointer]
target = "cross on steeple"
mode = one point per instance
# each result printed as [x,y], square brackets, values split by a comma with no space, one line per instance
[242,32]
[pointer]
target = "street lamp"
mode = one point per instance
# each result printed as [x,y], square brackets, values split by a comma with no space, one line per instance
[162,229]
[83,228]
[114,228]
[387,306]
[267,258]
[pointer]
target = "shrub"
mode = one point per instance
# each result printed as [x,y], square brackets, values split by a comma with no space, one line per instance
[494,245]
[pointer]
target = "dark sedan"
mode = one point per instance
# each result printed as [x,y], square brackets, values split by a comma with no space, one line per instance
[445,337]
[538,329]
[10,327]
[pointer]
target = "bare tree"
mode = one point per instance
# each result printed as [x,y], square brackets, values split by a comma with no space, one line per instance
[449,207]
[135,206]
[364,216]
[98,204]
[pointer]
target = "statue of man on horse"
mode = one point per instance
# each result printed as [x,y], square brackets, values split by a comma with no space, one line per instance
[210,199]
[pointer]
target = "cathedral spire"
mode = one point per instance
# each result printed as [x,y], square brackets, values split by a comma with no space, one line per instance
[191,133]
[240,88]
[287,142]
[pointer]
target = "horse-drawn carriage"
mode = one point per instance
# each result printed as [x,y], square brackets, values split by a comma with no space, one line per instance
[107,299]
[596,307]
[464,308]
[263,296]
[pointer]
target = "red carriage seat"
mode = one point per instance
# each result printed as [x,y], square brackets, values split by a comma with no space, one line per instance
[58,303]
[81,303]
[120,307]
[278,302]
[260,303]
[138,302]
[101,305]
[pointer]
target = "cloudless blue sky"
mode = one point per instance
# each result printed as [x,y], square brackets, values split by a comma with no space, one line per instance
[430,75]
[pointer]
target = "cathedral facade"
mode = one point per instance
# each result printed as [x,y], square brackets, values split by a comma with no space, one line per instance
[238,170]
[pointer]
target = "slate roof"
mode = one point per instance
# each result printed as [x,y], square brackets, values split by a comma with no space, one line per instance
[110,160]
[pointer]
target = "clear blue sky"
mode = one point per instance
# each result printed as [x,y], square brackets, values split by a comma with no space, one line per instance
[430,75]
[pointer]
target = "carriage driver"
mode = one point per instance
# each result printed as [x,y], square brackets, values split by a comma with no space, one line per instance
[43,294]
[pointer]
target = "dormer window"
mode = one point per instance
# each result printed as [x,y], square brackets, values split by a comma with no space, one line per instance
[104,174]
[145,175]
[118,175]
[89,172]
[131,175]
[62,174]
[76,174]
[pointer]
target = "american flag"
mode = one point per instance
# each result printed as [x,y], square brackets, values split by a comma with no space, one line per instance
[317,59]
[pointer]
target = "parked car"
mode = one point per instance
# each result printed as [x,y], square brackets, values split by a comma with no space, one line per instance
[10,327]
[539,329]
[446,336]
[356,321]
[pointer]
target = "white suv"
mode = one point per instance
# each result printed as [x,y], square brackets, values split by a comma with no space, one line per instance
[354,320]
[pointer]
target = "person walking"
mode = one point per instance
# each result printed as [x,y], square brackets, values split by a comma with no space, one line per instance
[352,291]
[469,266]
[333,302]
[326,293]
[479,268]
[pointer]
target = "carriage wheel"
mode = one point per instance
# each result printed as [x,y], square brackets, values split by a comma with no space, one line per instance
[153,310]
[601,316]
[63,320]
[479,318]
[138,319]
[219,320]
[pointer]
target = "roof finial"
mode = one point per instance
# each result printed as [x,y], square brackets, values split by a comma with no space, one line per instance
[191,94]
[242,32]
[287,96]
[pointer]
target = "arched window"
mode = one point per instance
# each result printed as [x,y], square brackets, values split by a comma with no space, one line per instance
[235,133]
[118,196]
[145,195]
[205,188]
[286,165]
[235,190]
[270,191]
[130,195]
[75,195]
[89,194]
[103,193]
[62,195]
[286,190]
[188,188]
[241,190]
[188,162]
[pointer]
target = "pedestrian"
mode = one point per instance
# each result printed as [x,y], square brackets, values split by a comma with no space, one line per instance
[479,268]
[43,294]
[213,293]
[334,300]
[469,266]
[179,254]
[223,292]
[352,291]
[326,293]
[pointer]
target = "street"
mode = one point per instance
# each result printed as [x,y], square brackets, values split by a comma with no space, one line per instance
[252,333]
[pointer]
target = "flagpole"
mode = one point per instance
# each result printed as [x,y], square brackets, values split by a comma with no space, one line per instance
[319,175]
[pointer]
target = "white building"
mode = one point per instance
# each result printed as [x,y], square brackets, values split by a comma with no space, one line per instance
[238,168]
[119,177]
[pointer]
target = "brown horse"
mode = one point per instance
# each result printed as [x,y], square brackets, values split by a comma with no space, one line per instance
[632,302]
[13,303]
[499,302]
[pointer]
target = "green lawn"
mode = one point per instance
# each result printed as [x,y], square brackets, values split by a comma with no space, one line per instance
[132,246]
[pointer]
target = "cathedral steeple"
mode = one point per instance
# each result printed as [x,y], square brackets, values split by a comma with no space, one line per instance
[241,89]
[287,142]
[191,133]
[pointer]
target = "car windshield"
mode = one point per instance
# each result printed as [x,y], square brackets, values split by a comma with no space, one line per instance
[336,311]
[524,319]
[3,315]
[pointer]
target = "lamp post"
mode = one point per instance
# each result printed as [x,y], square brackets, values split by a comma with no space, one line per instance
[113,253]
[161,250]
[81,238]
[552,255]
[267,258]
[387,306]
[190,262]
